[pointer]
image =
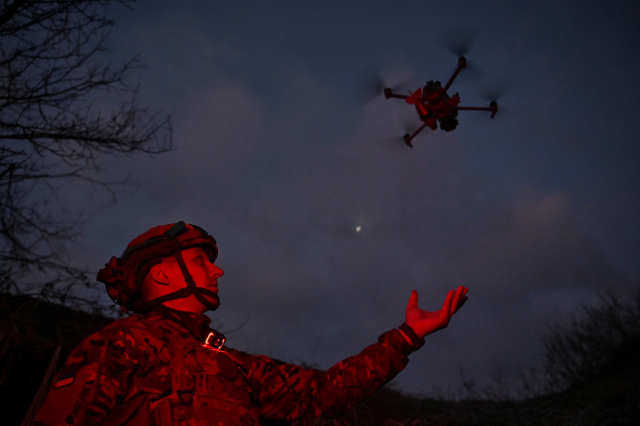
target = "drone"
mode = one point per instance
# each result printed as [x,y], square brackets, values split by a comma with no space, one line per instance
[434,105]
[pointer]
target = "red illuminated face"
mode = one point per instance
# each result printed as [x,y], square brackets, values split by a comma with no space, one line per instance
[168,278]
[205,274]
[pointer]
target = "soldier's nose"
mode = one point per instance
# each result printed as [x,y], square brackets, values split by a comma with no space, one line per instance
[216,272]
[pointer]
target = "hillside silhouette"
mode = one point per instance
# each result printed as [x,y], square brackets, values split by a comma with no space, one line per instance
[590,372]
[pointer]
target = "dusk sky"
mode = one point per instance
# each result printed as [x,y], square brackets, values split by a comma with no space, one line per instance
[278,157]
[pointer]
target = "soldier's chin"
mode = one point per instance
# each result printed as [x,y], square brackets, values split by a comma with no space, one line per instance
[212,302]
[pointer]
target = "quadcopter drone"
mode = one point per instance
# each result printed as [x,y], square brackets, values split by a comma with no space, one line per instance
[434,105]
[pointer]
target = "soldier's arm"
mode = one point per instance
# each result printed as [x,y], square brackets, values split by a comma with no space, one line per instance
[292,392]
[94,375]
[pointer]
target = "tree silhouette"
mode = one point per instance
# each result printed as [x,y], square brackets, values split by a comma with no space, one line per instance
[62,106]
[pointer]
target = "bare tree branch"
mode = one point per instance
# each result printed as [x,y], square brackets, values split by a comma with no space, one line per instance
[61,106]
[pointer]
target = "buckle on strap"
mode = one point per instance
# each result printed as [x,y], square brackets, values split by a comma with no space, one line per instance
[215,340]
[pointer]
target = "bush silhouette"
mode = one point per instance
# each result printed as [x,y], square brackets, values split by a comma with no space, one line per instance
[604,342]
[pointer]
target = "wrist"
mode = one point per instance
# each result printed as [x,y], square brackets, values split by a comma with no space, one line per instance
[405,337]
[410,335]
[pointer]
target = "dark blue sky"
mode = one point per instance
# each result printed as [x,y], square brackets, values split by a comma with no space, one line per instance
[535,211]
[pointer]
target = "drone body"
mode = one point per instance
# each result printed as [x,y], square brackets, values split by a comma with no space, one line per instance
[434,105]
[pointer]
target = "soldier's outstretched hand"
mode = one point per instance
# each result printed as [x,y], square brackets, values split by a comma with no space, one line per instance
[424,322]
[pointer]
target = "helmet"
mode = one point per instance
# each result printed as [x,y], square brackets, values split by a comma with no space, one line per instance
[123,276]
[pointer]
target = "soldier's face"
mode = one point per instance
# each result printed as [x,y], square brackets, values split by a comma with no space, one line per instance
[204,273]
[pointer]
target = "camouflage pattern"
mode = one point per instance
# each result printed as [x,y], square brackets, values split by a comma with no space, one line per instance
[149,370]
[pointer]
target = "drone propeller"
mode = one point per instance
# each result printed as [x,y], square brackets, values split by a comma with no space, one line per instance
[371,85]
[459,41]
[495,91]
[397,143]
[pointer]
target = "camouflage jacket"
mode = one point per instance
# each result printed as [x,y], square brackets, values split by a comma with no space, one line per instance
[150,370]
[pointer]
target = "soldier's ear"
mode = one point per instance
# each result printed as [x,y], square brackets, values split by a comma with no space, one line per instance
[158,274]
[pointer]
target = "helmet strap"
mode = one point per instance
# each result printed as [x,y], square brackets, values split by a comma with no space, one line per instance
[191,284]
[183,267]
[199,292]
[189,290]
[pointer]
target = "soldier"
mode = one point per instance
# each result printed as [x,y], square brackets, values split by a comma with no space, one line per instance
[164,366]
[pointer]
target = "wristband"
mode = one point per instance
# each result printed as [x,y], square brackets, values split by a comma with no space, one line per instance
[416,341]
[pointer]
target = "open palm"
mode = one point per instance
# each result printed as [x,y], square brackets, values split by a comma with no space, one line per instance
[424,322]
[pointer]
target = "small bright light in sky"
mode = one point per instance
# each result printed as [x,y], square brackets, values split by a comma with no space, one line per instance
[358,228]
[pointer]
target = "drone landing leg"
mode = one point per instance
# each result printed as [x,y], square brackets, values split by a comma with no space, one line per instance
[408,138]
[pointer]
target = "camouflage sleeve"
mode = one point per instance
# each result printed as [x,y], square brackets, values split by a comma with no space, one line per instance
[292,392]
[96,373]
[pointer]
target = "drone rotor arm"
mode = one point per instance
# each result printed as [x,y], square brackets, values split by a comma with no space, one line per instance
[493,108]
[388,93]
[463,108]
[409,137]
[462,63]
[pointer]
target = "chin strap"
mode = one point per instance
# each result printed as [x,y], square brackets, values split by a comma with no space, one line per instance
[189,290]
